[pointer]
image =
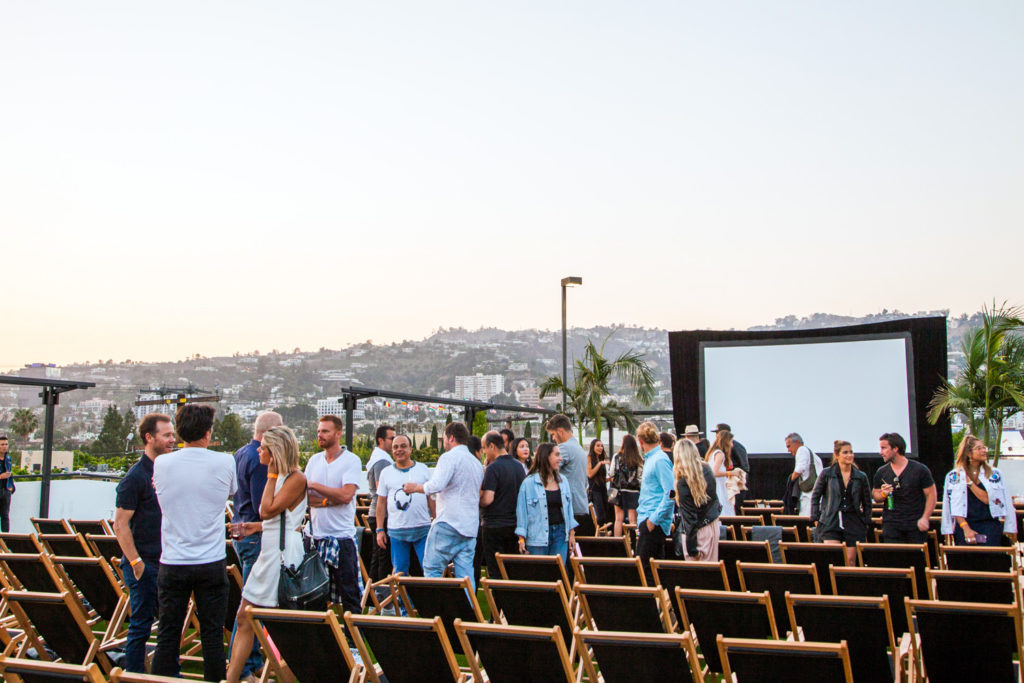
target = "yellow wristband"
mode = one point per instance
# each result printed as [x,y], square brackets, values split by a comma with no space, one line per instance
[271,476]
[135,561]
[963,525]
[324,504]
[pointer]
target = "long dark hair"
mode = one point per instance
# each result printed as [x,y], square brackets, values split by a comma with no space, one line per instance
[723,442]
[592,454]
[541,465]
[629,454]
[514,446]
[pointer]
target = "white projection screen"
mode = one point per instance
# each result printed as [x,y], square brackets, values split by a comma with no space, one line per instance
[851,388]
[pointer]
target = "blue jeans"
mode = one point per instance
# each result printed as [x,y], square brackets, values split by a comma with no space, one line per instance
[142,598]
[557,545]
[403,543]
[248,549]
[444,545]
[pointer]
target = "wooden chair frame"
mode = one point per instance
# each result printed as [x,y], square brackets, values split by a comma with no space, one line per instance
[115,625]
[735,597]
[556,587]
[606,541]
[551,560]
[895,603]
[938,574]
[56,526]
[968,550]
[738,644]
[20,539]
[74,540]
[327,619]
[893,547]
[636,642]
[372,674]
[100,524]
[713,567]
[580,564]
[94,651]
[552,635]
[119,675]
[656,593]
[778,602]
[819,549]
[747,531]
[12,666]
[799,521]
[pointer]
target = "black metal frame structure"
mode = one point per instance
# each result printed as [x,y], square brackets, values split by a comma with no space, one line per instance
[51,391]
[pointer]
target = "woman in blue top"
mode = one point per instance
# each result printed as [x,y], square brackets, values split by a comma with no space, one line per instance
[544,515]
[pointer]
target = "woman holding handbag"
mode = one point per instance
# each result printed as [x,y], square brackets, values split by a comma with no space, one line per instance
[627,471]
[283,501]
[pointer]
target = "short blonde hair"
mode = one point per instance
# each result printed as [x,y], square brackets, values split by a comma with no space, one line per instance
[648,434]
[283,447]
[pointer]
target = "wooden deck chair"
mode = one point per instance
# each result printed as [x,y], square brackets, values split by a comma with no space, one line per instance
[56,619]
[991,587]
[790,534]
[30,572]
[897,555]
[406,650]
[45,525]
[540,604]
[100,527]
[765,513]
[629,657]
[625,608]
[373,602]
[893,582]
[21,544]
[777,579]
[938,630]
[95,580]
[65,545]
[765,660]
[709,614]
[743,551]
[449,599]
[512,654]
[737,522]
[235,584]
[109,549]
[821,555]
[802,524]
[689,574]
[604,546]
[600,529]
[967,558]
[231,555]
[533,568]
[609,571]
[304,646]
[864,623]
[119,675]
[34,671]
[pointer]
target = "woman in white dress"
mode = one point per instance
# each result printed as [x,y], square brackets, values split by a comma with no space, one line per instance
[285,492]
[720,458]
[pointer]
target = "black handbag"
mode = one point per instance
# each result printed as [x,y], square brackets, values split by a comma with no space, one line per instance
[305,587]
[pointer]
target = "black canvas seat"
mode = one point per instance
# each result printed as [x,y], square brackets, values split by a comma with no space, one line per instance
[604,546]
[530,603]
[977,558]
[778,579]
[629,657]
[66,545]
[897,555]
[762,660]
[57,620]
[533,568]
[709,614]
[732,552]
[21,544]
[512,654]
[609,571]
[407,650]
[622,608]
[447,598]
[821,555]
[960,586]
[686,574]
[35,671]
[309,646]
[892,582]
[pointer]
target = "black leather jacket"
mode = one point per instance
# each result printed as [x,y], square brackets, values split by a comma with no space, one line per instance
[692,517]
[827,495]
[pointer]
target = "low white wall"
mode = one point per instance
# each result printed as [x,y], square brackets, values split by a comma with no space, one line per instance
[71,498]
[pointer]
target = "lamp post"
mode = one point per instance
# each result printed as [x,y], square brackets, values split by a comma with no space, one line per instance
[566,282]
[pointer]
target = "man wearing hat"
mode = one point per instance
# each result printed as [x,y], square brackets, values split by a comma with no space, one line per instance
[739,459]
[697,437]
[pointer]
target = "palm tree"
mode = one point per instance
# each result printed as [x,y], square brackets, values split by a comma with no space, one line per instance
[24,422]
[989,388]
[592,378]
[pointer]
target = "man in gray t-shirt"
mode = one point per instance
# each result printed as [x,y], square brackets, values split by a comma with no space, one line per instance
[574,468]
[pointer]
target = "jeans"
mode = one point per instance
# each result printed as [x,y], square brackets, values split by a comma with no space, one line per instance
[444,545]
[557,544]
[502,540]
[403,543]
[142,597]
[248,549]
[649,544]
[209,584]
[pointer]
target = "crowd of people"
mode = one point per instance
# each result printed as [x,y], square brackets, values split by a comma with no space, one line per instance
[487,495]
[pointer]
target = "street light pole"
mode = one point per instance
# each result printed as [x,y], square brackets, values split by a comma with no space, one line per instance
[566,283]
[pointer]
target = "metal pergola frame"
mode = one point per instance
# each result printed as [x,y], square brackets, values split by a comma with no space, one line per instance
[51,391]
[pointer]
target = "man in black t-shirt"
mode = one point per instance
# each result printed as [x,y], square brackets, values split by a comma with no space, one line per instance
[905,516]
[498,494]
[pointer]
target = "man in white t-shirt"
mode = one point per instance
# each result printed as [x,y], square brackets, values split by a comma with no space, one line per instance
[408,514]
[804,467]
[456,484]
[192,486]
[333,475]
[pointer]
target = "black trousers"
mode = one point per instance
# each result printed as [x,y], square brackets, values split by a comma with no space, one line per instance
[649,544]
[345,577]
[599,497]
[893,534]
[501,539]
[209,584]
[5,509]
[380,560]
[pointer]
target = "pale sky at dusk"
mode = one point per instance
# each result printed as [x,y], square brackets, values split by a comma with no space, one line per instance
[211,177]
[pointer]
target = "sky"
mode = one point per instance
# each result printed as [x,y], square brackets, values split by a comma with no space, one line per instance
[212,177]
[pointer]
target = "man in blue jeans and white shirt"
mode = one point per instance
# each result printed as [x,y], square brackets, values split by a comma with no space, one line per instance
[456,485]
[137,527]
[247,527]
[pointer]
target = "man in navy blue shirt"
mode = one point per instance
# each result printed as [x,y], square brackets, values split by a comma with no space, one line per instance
[247,527]
[137,526]
[6,485]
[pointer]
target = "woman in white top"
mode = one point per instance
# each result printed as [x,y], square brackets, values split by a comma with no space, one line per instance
[285,492]
[720,458]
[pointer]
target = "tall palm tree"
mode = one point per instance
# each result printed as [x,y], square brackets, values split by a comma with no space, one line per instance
[588,397]
[24,422]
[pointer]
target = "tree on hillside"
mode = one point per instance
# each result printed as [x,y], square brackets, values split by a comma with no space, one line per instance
[433,437]
[110,441]
[528,432]
[24,423]
[480,424]
[230,433]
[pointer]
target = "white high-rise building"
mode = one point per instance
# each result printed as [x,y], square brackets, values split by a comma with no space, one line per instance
[478,387]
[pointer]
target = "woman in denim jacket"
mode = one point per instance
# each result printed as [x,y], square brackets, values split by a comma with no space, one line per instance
[544,514]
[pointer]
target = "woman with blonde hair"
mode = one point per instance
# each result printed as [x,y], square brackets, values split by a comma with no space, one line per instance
[719,457]
[697,499]
[977,510]
[841,502]
[284,498]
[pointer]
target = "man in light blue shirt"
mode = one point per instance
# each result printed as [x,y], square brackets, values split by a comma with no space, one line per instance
[655,508]
[574,469]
